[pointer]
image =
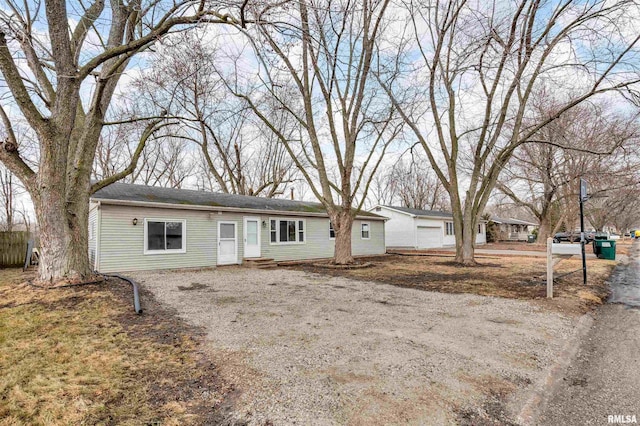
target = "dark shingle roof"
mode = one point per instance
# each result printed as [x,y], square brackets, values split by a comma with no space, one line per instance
[187,197]
[419,212]
[512,221]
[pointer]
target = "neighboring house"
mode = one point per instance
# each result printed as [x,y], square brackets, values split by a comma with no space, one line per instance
[136,227]
[421,229]
[513,229]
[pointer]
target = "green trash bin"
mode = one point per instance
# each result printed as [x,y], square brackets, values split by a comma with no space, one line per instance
[605,249]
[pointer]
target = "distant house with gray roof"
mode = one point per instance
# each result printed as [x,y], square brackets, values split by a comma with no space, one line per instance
[137,227]
[510,229]
[417,229]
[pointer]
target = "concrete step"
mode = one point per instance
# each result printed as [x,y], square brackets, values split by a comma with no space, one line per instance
[266,265]
[260,262]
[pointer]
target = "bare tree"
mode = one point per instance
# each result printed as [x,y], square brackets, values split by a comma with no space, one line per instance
[409,184]
[238,156]
[315,78]
[464,83]
[64,64]
[541,176]
[9,192]
[418,186]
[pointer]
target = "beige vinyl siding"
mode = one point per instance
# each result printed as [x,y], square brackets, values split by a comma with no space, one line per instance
[122,243]
[375,243]
[317,243]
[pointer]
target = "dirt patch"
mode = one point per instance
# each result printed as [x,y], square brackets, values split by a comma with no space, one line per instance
[508,277]
[193,286]
[493,410]
[80,355]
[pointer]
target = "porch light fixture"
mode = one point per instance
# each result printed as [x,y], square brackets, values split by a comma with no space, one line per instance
[135,221]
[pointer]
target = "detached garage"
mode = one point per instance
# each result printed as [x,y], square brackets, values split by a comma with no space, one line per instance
[429,237]
[421,229]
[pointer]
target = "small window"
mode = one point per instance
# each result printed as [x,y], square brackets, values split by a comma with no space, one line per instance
[449,228]
[165,236]
[364,231]
[332,232]
[301,231]
[92,230]
[479,228]
[274,234]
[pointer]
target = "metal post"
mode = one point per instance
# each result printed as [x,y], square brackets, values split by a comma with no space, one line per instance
[549,268]
[583,242]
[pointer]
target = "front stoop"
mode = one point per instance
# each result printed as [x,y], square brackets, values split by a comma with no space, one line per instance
[259,263]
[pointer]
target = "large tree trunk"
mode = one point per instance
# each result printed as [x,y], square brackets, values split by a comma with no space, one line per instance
[544,231]
[63,241]
[62,208]
[342,225]
[466,246]
[63,236]
[464,223]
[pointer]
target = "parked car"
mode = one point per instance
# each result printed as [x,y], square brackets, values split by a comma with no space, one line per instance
[572,237]
[601,235]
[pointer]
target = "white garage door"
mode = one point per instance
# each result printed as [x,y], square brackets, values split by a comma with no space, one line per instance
[429,237]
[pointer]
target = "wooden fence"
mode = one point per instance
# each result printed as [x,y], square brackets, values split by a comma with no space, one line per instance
[13,247]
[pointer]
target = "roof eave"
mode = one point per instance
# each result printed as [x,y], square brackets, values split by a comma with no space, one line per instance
[219,208]
[395,210]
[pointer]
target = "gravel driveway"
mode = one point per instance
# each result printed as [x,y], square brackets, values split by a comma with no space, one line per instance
[310,349]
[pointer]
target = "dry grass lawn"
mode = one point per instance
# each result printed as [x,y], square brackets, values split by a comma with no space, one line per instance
[82,356]
[507,245]
[510,277]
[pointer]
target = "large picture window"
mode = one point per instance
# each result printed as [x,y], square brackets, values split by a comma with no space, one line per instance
[286,231]
[165,236]
[449,228]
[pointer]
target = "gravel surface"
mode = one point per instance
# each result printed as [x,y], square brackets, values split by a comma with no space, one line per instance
[603,380]
[310,349]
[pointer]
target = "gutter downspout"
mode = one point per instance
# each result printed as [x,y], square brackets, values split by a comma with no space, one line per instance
[96,261]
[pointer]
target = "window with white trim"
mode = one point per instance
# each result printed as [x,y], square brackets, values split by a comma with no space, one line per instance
[365,231]
[164,236]
[449,228]
[332,232]
[479,228]
[286,231]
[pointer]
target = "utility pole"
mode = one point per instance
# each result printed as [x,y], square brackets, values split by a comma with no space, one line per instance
[583,241]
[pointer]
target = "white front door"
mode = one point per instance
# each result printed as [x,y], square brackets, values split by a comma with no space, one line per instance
[227,243]
[251,237]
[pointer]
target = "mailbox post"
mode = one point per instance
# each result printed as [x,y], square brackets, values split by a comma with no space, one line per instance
[583,197]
